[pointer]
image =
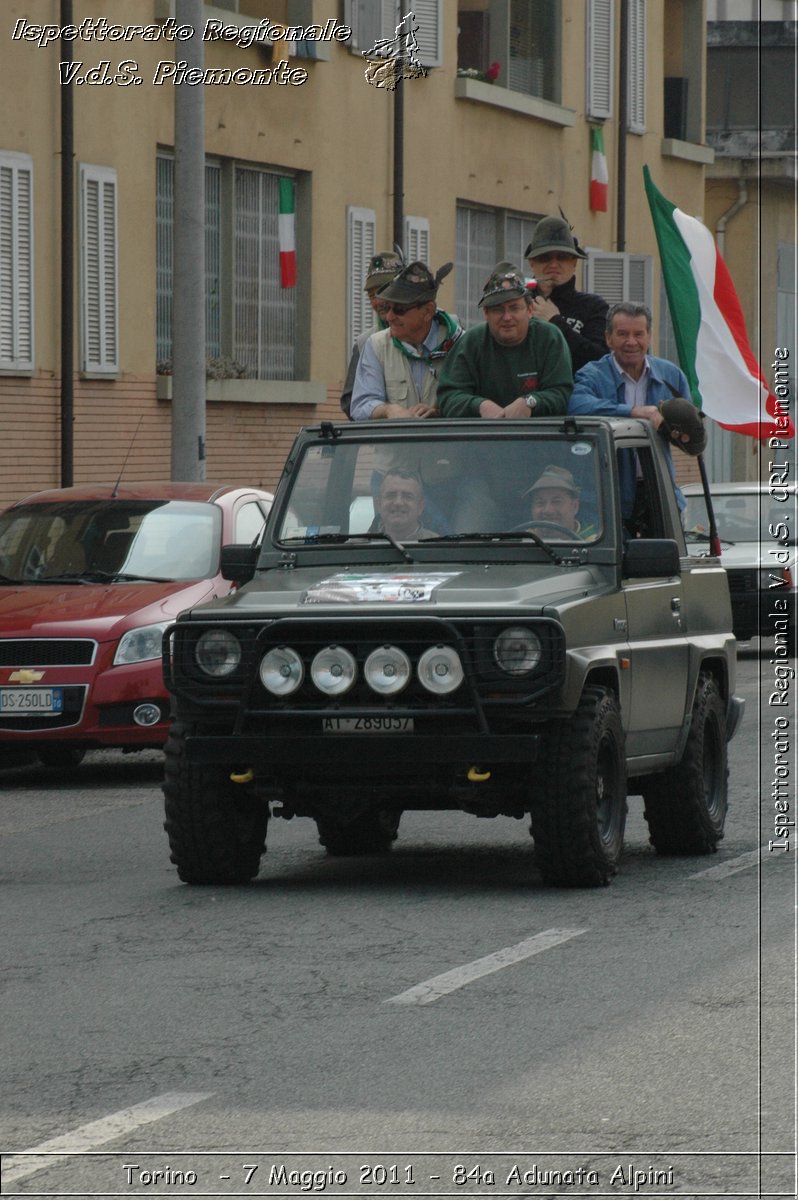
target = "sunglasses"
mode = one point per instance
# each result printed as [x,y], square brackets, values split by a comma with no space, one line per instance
[399,310]
[555,256]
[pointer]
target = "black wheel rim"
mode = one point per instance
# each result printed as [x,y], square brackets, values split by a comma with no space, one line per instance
[607,791]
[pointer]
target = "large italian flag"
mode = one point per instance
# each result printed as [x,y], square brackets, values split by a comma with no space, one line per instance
[714,353]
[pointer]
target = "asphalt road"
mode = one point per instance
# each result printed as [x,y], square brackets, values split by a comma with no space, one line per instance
[431,1023]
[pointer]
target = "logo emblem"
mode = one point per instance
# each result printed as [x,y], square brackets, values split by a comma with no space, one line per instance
[25,676]
[392,59]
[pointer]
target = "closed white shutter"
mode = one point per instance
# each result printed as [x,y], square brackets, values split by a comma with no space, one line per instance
[361,236]
[416,245]
[376,20]
[600,46]
[16,262]
[619,277]
[99,271]
[636,93]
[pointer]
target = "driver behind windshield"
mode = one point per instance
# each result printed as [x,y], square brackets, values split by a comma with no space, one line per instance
[400,503]
[555,502]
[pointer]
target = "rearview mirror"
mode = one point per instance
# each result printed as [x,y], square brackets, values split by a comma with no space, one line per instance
[644,557]
[239,562]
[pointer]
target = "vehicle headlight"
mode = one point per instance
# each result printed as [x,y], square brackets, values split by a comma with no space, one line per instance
[517,650]
[440,670]
[218,652]
[140,645]
[333,670]
[387,670]
[281,671]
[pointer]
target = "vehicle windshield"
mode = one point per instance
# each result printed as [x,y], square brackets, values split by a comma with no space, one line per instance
[739,518]
[443,488]
[108,540]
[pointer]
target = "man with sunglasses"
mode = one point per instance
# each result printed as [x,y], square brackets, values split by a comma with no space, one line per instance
[580,316]
[397,375]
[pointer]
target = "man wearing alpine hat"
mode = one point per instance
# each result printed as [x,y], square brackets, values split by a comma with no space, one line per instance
[382,268]
[580,316]
[510,366]
[555,502]
[397,376]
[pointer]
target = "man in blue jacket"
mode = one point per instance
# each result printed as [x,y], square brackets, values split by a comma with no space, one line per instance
[629,382]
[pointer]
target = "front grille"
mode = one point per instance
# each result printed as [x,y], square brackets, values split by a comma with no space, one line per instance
[743,581]
[46,652]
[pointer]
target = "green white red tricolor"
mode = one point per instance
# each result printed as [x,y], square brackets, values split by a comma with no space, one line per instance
[286,234]
[599,175]
[714,353]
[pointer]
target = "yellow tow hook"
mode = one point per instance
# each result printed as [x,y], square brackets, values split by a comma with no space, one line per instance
[477,776]
[243,776]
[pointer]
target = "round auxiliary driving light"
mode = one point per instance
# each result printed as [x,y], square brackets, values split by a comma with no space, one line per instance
[146,714]
[281,671]
[333,670]
[440,670]
[517,650]
[218,652]
[387,670]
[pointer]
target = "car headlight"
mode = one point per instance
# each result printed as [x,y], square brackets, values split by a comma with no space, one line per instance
[140,645]
[281,671]
[217,652]
[387,670]
[333,670]
[517,650]
[440,670]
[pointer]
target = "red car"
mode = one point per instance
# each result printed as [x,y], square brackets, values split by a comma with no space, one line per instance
[90,577]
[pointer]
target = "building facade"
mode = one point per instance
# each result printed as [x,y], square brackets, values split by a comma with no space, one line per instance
[291,122]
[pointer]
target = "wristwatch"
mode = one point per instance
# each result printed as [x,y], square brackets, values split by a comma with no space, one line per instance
[531,403]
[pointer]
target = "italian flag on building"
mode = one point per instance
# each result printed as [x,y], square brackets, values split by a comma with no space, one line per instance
[599,175]
[286,234]
[714,353]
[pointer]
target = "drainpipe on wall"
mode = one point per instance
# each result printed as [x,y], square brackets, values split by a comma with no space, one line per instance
[67,261]
[724,218]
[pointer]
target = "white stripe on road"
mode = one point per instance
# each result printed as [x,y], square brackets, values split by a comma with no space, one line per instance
[732,865]
[450,981]
[86,1137]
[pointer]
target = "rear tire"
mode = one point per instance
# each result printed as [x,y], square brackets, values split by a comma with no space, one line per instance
[579,819]
[685,807]
[372,832]
[216,828]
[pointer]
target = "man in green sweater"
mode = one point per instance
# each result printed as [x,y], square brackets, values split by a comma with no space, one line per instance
[512,366]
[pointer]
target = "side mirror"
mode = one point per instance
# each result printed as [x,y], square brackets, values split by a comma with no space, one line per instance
[646,557]
[239,562]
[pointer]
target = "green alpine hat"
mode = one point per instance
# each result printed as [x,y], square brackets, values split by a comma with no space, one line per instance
[553,233]
[506,283]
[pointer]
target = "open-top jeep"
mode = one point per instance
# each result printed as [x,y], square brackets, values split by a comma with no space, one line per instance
[490,660]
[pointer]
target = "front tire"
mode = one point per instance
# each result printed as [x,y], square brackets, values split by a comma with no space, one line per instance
[685,807]
[579,819]
[216,828]
[372,832]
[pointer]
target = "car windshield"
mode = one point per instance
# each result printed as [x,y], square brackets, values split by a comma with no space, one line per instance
[739,518]
[444,488]
[99,540]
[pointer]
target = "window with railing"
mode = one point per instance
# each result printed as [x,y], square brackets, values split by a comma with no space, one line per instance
[514,44]
[486,236]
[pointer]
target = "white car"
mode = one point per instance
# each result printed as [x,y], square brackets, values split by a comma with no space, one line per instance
[758,526]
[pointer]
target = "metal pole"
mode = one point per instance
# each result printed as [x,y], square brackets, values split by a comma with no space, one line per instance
[188,303]
[623,122]
[399,152]
[67,261]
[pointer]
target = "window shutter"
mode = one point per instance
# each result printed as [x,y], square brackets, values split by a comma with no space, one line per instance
[416,247]
[361,236]
[99,272]
[373,20]
[600,46]
[636,94]
[619,277]
[16,262]
[429,15]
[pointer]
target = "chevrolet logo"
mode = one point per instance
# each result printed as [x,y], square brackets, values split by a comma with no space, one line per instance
[25,676]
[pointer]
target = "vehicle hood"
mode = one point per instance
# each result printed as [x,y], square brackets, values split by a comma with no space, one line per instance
[474,587]
[99,611]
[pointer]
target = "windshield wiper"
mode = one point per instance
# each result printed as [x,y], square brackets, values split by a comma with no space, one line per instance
[338,539]
[500,535]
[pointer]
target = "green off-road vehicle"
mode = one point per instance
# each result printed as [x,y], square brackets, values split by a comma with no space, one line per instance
[487,660]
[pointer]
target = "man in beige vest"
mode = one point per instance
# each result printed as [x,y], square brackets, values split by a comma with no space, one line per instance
[397,375]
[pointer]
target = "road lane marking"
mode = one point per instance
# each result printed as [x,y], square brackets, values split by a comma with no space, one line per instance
[732,865]
[87,1137]
[439,985]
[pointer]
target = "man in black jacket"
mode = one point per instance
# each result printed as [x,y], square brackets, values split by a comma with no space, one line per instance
[580,316]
